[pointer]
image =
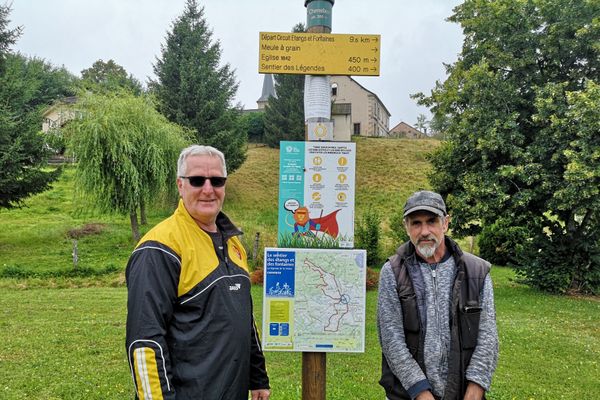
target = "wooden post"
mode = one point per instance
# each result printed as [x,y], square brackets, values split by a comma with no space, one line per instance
[255,248]
[75,254]
[314,373]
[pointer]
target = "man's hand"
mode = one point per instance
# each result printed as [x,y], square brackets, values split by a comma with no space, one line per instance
[261,394]
[425,395]
[474,392]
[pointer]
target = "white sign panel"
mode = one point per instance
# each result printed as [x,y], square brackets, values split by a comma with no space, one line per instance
[316,194]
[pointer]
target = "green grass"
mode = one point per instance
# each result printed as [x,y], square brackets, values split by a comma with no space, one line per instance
[69,344]
[63,334]
[35,239]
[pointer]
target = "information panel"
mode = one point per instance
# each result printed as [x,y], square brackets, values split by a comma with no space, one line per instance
[314,300]
[319,54]
[316,194]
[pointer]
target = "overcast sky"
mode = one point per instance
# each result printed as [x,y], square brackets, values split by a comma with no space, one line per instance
[416,39]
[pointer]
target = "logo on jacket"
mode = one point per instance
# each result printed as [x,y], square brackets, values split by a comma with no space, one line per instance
[237,286]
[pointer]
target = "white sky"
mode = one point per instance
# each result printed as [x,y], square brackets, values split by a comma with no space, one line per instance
[416,39]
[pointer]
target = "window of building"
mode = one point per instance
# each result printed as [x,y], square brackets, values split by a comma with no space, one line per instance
[357,129]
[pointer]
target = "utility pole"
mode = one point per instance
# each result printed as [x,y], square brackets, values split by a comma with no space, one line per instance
[317,110]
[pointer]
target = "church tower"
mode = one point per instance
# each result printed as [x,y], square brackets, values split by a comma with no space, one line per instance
[268,90]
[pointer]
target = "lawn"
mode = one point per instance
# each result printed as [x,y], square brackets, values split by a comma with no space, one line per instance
[62,328]
[69,344]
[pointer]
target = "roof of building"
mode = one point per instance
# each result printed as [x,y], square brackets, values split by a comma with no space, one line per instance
[268,89]
[60,102]
[402,123]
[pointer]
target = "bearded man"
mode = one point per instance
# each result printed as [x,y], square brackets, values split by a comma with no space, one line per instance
[435,316]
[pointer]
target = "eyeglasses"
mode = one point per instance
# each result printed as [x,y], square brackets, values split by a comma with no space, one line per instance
[198,181]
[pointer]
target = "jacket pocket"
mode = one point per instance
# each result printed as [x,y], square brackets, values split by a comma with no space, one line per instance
[469,325]
[410,313]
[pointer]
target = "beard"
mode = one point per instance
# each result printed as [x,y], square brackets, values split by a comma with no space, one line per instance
[427,250]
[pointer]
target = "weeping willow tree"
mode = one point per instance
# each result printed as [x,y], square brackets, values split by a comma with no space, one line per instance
[126,153]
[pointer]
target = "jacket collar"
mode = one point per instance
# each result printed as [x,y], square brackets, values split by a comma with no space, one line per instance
[224,224]
[408,251]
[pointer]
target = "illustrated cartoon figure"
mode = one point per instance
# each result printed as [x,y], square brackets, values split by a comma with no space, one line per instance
[304,225]
[302,222]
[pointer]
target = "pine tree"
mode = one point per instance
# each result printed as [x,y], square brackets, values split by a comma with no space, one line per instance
[27,87]
[194,90]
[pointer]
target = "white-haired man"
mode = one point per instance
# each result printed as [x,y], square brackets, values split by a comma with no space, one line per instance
[190,329]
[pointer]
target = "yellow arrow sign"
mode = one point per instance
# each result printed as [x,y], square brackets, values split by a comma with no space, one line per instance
[318,54]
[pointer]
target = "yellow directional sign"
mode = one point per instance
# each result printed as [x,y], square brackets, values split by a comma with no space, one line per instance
[318,54]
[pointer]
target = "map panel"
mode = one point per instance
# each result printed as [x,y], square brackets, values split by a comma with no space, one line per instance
[314,300]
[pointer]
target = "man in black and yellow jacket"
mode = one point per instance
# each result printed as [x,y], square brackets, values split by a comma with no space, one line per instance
[190,329]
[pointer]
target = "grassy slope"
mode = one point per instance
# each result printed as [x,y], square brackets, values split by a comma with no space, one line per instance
[35,238]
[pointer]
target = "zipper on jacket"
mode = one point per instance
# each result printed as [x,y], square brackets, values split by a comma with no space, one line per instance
[433,269]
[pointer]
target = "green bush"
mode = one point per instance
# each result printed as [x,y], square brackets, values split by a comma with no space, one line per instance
[366,236]
[254,125]
[16,272]
[498,242]
[398,232]
[557,263]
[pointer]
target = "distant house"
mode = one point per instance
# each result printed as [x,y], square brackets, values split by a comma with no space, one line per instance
[58,114]
[404,130]
[356,110]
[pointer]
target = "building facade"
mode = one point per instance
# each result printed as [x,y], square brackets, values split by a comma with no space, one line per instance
[404,130]
[58,114]
[356,110]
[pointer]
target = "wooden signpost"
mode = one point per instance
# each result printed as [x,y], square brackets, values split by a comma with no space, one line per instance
[318,54]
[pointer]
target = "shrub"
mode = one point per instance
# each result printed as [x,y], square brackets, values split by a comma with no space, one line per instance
[257,277]
[398,232]
[367,234]
[86,230]
[498,242]
[556,263]
[372,278]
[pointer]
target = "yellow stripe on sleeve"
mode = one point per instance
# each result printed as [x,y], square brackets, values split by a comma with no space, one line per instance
[146,374]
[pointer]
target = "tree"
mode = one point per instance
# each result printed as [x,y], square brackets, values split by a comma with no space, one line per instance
[522,107]
[422,123]
[126,151]
[27,87]
[8,37]
[254,124]
[194,91]
[109,76]
[284,114]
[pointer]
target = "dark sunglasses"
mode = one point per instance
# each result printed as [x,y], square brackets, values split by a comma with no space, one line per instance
[198,181]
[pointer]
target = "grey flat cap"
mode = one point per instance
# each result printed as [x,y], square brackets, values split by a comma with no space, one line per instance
[425,200]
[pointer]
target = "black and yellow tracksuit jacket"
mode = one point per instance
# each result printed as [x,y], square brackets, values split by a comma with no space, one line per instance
[190,329]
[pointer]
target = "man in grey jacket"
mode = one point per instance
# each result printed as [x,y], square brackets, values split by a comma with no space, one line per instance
[436,318]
